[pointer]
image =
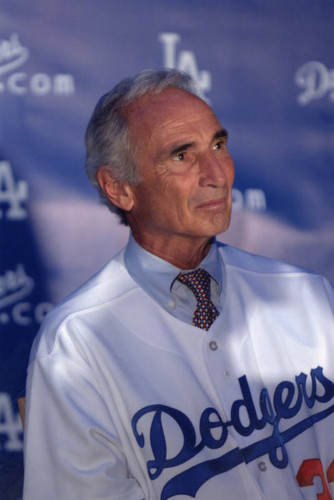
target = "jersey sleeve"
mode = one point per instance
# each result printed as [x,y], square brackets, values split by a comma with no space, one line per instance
[71,449]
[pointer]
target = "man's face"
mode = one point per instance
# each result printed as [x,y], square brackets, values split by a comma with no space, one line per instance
[186,171]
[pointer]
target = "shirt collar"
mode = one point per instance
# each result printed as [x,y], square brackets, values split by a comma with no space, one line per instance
[156,275]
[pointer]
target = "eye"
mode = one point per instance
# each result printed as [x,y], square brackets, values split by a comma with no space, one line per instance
[220,144]
[180,156]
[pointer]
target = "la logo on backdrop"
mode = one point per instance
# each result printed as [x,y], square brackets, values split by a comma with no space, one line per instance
[13,195]
[184,60]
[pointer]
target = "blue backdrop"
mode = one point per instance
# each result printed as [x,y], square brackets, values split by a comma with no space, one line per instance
[266,67]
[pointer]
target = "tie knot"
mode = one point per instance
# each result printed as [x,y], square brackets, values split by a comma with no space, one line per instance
[199,283]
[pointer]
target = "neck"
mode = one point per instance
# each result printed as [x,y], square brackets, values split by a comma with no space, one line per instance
[182,254]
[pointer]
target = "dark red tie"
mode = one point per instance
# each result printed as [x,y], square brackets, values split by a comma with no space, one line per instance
[199,283]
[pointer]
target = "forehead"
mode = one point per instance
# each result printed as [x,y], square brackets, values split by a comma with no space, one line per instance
[171,112]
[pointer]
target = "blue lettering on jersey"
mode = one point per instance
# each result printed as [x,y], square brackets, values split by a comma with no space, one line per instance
[288,399]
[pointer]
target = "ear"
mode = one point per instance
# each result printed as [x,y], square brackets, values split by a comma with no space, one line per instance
[118,192]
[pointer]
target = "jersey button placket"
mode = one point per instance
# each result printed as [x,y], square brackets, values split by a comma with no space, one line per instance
[214,367]
[213,346]
[262,466]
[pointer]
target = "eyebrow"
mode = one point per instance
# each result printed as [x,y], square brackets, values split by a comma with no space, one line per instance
[181,148]
[220,134]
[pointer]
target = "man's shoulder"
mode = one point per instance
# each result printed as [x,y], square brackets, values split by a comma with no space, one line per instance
[234,257]
[264,273]
[97,293]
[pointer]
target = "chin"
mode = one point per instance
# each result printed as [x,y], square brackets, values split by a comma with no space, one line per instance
[207,232]
[217,226]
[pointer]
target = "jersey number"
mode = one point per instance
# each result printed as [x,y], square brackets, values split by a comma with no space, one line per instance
[311,468]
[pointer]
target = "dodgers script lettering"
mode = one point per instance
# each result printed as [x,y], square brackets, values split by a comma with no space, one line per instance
[288,400]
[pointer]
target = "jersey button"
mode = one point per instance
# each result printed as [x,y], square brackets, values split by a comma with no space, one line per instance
[213,345]
[262,466]
[171,303]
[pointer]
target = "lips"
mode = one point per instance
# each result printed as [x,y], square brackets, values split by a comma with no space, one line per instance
[215,203]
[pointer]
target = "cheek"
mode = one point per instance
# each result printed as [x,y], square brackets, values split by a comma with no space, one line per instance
[231,172]
[170,196]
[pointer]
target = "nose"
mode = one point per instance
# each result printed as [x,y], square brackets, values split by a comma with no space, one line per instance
[215,171]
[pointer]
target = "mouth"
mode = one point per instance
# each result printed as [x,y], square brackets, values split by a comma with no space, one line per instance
[217,203]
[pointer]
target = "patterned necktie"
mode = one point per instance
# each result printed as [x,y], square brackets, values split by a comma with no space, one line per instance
[199,283]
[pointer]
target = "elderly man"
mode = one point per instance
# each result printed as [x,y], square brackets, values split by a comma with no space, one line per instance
[185,368]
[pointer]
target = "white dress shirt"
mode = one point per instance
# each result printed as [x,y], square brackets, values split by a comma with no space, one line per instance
[158,278]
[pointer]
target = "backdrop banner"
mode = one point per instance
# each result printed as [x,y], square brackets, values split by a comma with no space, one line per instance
[266,68]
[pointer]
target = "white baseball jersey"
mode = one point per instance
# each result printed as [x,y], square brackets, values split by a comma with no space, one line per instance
[126,402]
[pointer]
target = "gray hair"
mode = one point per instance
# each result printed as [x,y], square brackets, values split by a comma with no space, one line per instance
[107,135]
